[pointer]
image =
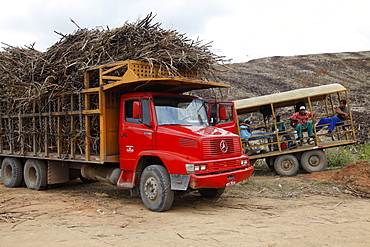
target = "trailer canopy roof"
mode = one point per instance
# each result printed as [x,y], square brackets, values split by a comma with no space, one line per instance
[288,98]
[135,76]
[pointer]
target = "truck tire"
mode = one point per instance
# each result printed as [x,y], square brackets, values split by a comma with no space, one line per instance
[12,172]
[211,192]
[270,163]
[286,165]
[35,174]
[314,161]
[85,180]
[155,188]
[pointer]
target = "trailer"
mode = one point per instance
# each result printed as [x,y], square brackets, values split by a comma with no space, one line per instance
[131,126]
[280,149]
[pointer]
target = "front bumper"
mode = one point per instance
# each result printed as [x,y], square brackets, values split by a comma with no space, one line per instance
[220,180]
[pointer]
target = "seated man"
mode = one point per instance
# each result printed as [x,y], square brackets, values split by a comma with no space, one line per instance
[342,115]
[280,125]
[302,123]
[246,132]
[280,128]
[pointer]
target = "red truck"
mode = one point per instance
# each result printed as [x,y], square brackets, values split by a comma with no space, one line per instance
[132,126]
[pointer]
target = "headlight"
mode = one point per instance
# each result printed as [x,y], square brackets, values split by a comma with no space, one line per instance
[190,168]
[200,167]
[244,162]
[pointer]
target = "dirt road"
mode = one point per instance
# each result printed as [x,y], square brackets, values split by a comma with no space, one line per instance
[266,210]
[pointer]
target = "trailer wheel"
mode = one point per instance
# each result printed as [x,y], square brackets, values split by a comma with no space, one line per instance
[314,161]
[12,172]
[270,163]
[211,192]
[286,165]
[35,174]
[155,188]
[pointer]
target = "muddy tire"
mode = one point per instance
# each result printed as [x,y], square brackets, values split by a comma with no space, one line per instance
[35,174]
[270,163]
[211,192]
[155,188]
[314,161]
[286,165]
[85,180]
[12,172]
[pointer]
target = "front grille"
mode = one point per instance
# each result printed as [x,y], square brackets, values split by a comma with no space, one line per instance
[221,147]
[230,164]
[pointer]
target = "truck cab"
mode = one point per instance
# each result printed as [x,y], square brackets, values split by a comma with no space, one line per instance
[173,131]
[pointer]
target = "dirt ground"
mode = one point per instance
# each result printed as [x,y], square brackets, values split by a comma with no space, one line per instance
[331,208]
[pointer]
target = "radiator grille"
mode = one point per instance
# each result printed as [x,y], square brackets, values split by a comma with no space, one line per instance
[230,164]
[221,147]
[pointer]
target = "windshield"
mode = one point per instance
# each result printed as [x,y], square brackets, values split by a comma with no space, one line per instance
[174,110]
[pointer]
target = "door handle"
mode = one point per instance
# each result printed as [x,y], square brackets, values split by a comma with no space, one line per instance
[124,135]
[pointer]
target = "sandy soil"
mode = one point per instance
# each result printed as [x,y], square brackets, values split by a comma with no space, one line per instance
[266,210]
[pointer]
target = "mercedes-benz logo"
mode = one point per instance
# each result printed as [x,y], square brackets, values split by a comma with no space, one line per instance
[223,146]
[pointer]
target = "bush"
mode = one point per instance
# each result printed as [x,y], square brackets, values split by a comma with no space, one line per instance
[364,151]
[339,157]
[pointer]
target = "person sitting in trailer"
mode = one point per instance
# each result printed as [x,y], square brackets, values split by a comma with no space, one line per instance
[246,132]
[279,125]
[342,115]
[301,123]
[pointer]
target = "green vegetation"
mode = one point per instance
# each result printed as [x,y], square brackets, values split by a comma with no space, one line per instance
[340,156]
[364,151]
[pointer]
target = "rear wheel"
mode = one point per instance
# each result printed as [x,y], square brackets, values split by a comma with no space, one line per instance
[286,165]
[155,188]
[270,163]
[35,174]
[212,192]
[314,161]
[12,172]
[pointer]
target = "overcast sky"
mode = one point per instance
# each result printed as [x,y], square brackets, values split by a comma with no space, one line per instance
[240,29]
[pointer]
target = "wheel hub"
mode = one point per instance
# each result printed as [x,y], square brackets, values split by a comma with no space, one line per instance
[8,172]
[287,165]
[151,188]
[314,161]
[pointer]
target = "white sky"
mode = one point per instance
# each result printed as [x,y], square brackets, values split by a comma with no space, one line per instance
[240,29]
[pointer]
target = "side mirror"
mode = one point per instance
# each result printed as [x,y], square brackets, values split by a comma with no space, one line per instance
[222,112]
[137,109]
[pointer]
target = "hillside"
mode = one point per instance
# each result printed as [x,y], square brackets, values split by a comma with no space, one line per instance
[278,74]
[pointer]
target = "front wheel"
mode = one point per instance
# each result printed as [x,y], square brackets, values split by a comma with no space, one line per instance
[211,192]
[286,165]
[155,188]
[314,161]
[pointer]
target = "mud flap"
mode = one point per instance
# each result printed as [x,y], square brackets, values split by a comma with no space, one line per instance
[179,182]
[58,172]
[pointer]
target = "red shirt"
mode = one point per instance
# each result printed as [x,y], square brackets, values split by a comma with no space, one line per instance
[299,116]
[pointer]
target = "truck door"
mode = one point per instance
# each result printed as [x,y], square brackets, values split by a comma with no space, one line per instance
[223,115]
[136,133]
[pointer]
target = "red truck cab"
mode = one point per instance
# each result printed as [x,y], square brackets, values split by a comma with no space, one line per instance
[172,131]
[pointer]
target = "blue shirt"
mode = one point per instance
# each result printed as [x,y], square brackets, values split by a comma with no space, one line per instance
[244,133]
